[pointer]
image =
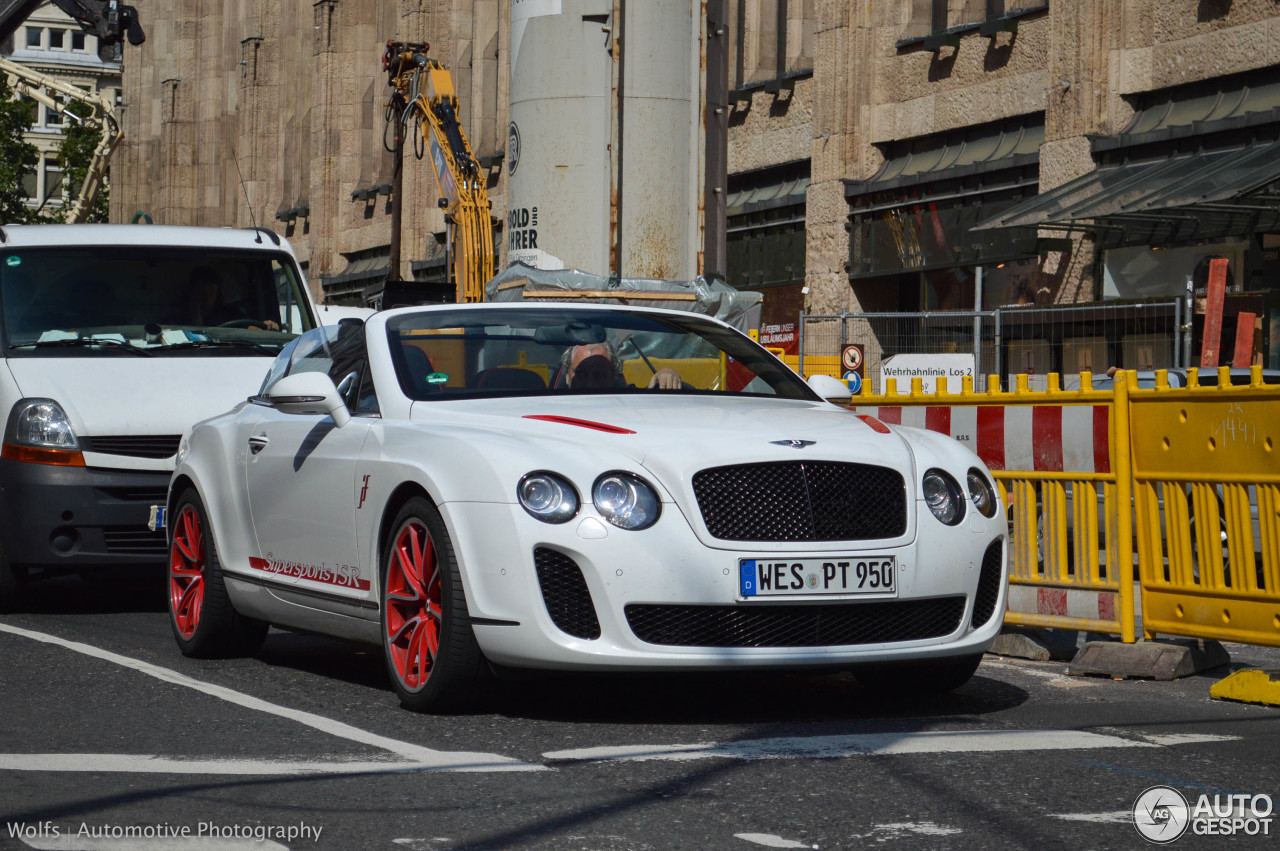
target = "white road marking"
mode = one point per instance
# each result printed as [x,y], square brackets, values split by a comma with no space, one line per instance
[1168,739]
[901,829]
[72,843]
[417,758]
[770,841]
[947,741]
[152,764]
[1117,817]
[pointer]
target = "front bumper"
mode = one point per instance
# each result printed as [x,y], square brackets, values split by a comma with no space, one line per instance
[76,517]
[689,593]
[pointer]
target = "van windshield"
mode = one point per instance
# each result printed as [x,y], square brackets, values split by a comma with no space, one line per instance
[147,300]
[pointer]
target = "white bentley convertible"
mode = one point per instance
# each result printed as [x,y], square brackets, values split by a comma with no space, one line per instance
[578,487]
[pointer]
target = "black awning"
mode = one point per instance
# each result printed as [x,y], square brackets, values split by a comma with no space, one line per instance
[1195,187]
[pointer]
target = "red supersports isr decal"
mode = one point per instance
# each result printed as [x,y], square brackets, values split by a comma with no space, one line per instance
[341,575]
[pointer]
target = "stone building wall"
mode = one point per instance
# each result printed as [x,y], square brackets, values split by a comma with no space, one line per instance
[295,88]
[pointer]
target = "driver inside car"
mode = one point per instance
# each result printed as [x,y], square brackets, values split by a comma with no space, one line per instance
[596,366]
[207,307]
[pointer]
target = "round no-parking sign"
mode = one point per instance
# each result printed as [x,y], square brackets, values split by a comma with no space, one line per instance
[851,358]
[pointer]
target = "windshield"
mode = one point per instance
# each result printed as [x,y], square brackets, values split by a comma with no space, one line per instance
[147,300]
[482,351]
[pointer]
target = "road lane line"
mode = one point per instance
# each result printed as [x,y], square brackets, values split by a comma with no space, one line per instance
[1117,817]
[154,764]
[768,840]
[419,758]
[862,744]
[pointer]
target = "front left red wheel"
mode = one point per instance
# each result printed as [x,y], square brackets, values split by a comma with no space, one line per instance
[201,614]
[431,651]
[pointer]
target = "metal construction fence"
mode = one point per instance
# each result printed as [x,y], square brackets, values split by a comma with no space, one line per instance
[1196,484]
[1008,341]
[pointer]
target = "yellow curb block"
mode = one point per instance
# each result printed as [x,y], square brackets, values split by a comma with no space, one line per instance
[1250,686]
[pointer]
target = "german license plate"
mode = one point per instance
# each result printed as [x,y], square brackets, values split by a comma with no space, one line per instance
[780,577]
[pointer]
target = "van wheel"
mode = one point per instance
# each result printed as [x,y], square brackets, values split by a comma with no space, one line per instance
[431,651]
[204,622]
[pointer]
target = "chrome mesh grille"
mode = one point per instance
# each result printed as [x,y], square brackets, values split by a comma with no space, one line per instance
[802,501]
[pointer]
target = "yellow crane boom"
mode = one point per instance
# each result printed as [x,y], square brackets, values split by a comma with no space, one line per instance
[424,96]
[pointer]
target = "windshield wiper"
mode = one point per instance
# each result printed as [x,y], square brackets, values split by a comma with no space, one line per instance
[220,344]
[81,342]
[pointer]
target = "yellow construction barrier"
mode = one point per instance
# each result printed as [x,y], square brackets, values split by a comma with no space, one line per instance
[1061,460]
[1206,469]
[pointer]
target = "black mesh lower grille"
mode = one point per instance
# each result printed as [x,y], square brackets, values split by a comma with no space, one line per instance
[833,625]
[566,594]
[135,540]
[802,501]
[984,602]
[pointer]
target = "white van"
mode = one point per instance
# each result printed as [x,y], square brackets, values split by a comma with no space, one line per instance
[116,340]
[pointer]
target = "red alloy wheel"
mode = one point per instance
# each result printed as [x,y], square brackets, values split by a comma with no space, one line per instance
[414,610]
[186,572]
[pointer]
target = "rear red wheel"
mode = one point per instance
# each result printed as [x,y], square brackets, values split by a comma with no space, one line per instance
[204,621]
[431,650]
[186,572]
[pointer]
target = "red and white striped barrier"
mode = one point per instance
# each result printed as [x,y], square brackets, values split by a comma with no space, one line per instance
[1064,602]
[1030,438]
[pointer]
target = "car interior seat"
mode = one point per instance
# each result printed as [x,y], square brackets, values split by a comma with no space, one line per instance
[419,367]
[509,378]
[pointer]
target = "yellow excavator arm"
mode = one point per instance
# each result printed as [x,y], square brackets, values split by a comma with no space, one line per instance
[99,111]
[424,95]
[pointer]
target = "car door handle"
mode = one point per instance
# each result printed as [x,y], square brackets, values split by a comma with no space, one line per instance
[257,443]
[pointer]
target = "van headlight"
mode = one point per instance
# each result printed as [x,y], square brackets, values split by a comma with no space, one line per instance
[41,423]
[943,496]
[625,500]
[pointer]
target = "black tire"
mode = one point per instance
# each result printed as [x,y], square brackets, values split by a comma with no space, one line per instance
[919,679]
[455,677]
[204,622]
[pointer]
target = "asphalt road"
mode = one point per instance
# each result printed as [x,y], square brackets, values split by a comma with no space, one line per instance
[105,728]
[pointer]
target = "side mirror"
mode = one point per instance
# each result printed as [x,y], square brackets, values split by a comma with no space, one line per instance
[831,389]
[309,393]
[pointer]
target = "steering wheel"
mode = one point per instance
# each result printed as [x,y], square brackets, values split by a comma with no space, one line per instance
[243,323]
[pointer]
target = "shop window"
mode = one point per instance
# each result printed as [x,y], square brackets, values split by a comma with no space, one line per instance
[35,36]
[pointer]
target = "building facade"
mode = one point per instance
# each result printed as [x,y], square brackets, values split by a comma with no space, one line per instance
[880,152]
[51,43]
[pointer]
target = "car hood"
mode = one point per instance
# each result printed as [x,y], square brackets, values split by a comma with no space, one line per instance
[675,436]
[136,396]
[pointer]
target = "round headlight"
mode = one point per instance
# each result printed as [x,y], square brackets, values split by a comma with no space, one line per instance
[981,492]
[942,495]
[548,497]
[626,501]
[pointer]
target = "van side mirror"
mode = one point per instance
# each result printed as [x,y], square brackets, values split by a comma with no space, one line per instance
[829,388]
[309,393]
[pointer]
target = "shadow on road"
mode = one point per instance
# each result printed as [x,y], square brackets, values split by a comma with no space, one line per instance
[97,591]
